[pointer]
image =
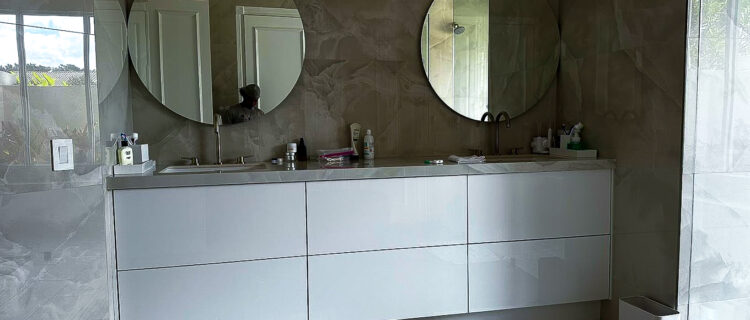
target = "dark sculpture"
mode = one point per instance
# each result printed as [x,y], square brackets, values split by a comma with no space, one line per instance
[245,110]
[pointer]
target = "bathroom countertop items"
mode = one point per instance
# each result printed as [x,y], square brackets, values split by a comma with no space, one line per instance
[371,169]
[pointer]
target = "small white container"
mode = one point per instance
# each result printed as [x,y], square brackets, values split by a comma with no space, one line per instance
[291,147]
[140,153]
[369,145]
[642,308]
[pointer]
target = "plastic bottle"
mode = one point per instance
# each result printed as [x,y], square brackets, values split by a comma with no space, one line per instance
[302,150]
[369,149]
[125,154]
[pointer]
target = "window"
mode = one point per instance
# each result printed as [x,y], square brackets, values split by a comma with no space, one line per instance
[47,86]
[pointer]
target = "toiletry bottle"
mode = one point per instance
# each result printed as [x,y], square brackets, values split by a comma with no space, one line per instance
[356,128]
[369,149]
[302,150]
[560,132]
[549,139]
[291,152]
[125,154]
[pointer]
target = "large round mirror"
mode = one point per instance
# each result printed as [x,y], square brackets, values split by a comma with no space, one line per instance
[491,55]
[206,57]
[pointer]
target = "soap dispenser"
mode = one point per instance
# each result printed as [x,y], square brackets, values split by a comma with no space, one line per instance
[125,154]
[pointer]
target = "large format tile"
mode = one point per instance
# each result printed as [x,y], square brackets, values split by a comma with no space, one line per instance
[52,255]
[725,310]
[721,234]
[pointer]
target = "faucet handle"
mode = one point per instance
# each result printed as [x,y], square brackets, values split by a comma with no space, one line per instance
[193,160]
[241,159]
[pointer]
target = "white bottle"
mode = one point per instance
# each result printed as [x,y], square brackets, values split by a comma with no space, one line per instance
[355,133]
[125,154]
[369,148]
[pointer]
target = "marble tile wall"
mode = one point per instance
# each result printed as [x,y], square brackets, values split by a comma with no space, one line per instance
[53,227]
[362,65]
[622,75]
[714,260]
[53,255]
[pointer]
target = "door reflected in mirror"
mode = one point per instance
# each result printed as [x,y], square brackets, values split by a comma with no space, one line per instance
[490,55]
[196,56]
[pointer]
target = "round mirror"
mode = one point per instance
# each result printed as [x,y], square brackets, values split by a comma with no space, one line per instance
[206,57]
[491,55]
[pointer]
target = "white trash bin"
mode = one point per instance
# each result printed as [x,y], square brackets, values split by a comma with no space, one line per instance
[642,308]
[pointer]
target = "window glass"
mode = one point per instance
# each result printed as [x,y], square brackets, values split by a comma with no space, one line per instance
[62,23]
[94,101]
[56,81]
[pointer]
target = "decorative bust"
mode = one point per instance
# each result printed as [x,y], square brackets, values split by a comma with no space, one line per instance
[245,110]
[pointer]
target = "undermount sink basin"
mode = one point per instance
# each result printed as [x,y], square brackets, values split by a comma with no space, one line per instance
[214,168]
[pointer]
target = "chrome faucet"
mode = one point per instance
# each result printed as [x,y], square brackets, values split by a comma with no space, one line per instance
[217,125]
[487,116]
[500,116]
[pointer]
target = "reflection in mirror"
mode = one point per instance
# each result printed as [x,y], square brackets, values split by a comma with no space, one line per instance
[48,85]
[111,32]
[195,56]
[490,55]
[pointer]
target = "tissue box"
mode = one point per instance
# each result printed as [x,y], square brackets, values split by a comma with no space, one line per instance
[140,153]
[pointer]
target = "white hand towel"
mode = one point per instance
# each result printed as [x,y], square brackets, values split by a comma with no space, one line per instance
[467,160]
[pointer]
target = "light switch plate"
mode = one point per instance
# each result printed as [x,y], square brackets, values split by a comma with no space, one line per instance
[62,154]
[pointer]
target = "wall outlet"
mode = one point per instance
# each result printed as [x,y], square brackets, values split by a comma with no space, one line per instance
[62,154]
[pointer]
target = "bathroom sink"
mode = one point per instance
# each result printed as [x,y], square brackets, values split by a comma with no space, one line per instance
[214,168]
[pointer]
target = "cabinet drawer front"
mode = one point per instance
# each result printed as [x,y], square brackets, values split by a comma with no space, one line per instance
[185,226]
[534,273]
[525,206]
[347,216]
[268,289]
[396,284]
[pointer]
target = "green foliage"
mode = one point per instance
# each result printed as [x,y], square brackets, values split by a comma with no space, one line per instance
[67,67]
[29,67]
[41,80]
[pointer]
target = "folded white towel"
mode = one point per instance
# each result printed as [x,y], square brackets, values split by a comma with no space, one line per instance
[467,160]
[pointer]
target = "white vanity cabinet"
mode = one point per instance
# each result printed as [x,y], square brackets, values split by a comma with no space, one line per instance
[390,284]
[367,249]
[187,226]
[526,206]
[520,274]
[361,215]
[266,289]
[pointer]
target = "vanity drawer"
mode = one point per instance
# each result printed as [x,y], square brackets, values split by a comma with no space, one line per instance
[391,284]
[185,226]
[268,289]
[347,216]
[525,206]
[534,273]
